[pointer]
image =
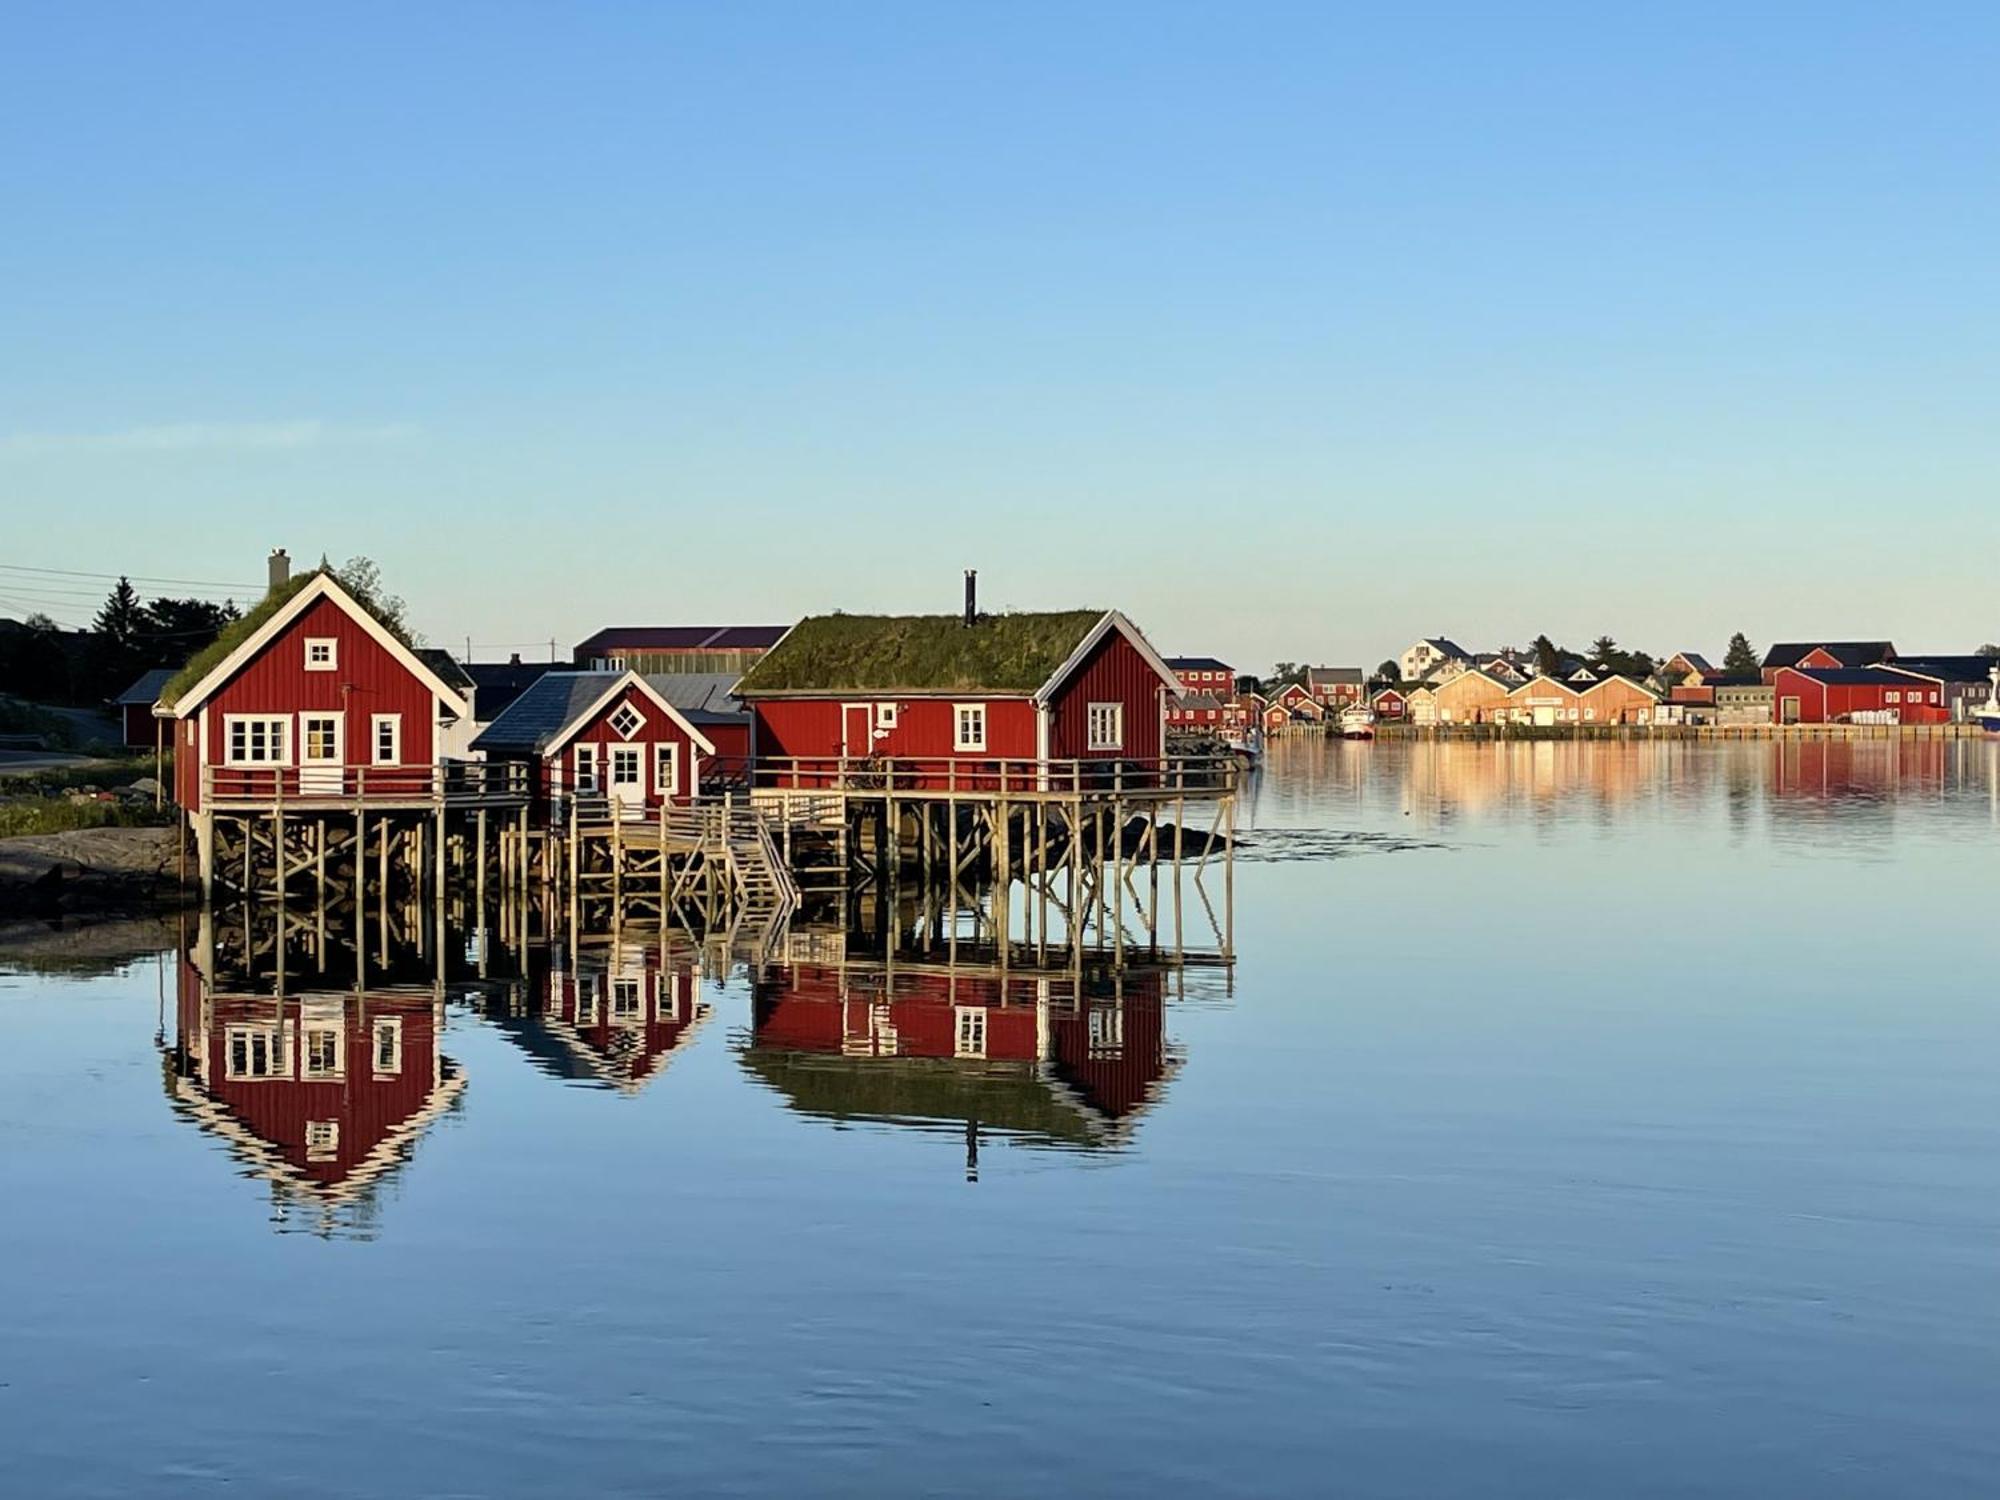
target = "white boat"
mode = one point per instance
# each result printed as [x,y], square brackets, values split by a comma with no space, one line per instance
[1357,723]
[1987,715]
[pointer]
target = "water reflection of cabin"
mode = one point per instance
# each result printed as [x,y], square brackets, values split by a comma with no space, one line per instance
[1051,1060]
[616,1019]
[320,1092]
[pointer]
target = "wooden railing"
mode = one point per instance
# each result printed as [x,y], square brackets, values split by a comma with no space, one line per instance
[989,776]
[453,783]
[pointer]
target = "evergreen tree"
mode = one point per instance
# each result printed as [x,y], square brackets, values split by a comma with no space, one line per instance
[1548,655]
[1740,660]
[118,644]
[1604,653]
[1389,671]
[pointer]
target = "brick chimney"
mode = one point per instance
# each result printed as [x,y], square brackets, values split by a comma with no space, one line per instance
[280,569]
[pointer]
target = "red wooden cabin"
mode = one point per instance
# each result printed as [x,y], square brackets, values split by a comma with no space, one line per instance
[313,697]
[615,734]
[1857,695]
[320,1093]
[989,703]
[1388,703]
[136,724]
[622,1024]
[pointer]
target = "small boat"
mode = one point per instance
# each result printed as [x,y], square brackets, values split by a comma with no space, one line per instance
[1247,745]
[1357,723]
[1987,715]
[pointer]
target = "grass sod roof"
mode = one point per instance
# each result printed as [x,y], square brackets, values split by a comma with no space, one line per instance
[250,622]
[920,653]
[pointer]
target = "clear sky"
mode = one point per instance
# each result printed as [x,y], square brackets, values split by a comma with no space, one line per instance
[1297,332]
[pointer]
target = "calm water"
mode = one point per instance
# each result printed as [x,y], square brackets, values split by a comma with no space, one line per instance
[1577,1120]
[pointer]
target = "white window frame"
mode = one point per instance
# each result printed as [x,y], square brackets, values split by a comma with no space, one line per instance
[627,1002]
[960,740]
[334,746]
[273,1038]
[627,711]
[667,769]
[587,998]
[394,724]
[322,1140]
[584,761]
[391,1028]
[279,725]
[1115,712]
[330,645]
[338,1068]
[969,1031]
[885,716]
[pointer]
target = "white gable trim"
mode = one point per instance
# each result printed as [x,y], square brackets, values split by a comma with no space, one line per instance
[323,586]
[1113,620]
[629,679]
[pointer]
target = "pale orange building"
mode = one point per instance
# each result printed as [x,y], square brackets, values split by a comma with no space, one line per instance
[1618,700]
[1472,697]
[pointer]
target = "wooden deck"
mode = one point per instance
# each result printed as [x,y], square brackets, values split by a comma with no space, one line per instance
[306,789]
[1166,778]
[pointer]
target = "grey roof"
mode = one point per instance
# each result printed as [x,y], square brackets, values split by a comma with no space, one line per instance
[1448,646]
[496,684]
[533,721]
[1196,664]
[147,689]
[1200,700]
[1317,675]
[683,638]
[1948,668]
[445,665]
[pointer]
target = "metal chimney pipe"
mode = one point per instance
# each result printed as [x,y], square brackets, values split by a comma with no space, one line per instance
[279,569]
[971,596]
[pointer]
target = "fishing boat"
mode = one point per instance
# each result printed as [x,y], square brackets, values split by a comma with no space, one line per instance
[1987,715]
[1357,723]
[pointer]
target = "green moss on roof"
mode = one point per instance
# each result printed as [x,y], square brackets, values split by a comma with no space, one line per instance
[921,653]
[238,631]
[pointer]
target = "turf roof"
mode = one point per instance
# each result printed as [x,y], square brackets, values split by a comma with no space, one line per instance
[921,653]
[248,624]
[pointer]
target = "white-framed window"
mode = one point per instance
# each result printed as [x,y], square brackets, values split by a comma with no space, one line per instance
[586,998]
[627,1004]
[667,769]
[586,768]
[1107,726]
[626,721]
[254,1052]
[319,736]
[667,1003]
[388,1046]
[1893,696]
[322,1140]
[256,739]
[971,1031]
[385,738]
[970,719]
[885,716]
[1107,1031]
[322,653]
[325,1049]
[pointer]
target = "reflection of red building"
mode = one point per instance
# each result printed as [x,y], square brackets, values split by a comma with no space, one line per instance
[621,1020]
[320,1092]
[1040,1057]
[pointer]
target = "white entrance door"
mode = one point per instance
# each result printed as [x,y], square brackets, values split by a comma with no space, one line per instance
[1545,715]
[628,786]
[322,753]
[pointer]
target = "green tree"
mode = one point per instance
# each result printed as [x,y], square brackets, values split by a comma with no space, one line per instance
[1740,660]
[1389,671]
[363,579]
[1548,655]
[118,644]
[1284,674]
[1604,653]
[177,628]
[1989,649]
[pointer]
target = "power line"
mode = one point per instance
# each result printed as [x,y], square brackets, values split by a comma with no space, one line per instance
[213,583]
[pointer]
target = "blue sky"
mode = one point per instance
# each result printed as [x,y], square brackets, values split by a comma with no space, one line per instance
[1296,332]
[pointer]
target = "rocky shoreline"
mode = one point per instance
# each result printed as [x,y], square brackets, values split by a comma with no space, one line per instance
[91,871]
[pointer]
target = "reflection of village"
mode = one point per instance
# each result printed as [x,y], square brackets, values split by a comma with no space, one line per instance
[1445,780]
[311,1043]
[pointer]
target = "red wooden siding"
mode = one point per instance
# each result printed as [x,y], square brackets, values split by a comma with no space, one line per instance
[659,729]
[366,680]
[925,727]
[1114,672]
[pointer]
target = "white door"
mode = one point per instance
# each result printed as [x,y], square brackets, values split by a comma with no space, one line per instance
[628,786]
[322,754]
[1545,715]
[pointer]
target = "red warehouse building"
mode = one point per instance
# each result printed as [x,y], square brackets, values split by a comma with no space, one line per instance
[309,695]
[986,701]
[1828,655]
[1857,695]
[620,735]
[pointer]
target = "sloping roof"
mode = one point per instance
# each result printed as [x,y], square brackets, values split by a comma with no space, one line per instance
[1696,662]
[699,693]
[1332,676]
[554,705]
[1854,676]
[1448,646]
[1008,653]
[147,689]
[1847,653]
[1950,668]
[243,638]
[496,684]
[1197,664]
[1200,700]
[445,665]
[683,638]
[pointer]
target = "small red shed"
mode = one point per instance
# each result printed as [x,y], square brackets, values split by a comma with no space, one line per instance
[982,701]
[300,695]
[618,734]
[136,724]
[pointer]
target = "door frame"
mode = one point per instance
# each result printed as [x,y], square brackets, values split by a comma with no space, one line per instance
[626,804]
[322,776]
[867,712]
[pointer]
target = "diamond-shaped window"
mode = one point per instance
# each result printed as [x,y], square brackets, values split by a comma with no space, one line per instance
[627,721]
